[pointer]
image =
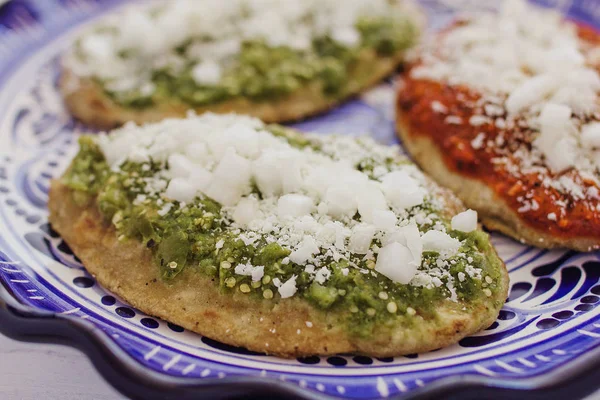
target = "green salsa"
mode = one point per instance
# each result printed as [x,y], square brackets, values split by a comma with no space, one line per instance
[196,236]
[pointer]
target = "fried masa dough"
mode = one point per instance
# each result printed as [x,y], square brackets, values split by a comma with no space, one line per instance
[195,302]
[486,145]
[86,98]
[287,327]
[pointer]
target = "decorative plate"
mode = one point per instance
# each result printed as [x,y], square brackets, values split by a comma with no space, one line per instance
[547,334]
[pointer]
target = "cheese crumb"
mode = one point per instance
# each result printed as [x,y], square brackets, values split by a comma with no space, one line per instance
[207,73]
[478,142]
[288,289]
[438,107]
[466,221]
[396,262]
[453,120]
[439,241]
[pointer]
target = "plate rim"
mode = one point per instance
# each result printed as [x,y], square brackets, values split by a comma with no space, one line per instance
[577,379]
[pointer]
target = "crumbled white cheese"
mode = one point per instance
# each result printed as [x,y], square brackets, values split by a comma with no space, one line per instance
[213,32]
[362,236]
[322,275]
[396,262]
[181,190]
[530,92]
[207,73]
[369,198]
[554,140]
[347,36]
[438,107]
[230,179]
[439,241]
[305,251]
[165,209]
[340,201]
[590,135]
[402,190]
[384,220]
[491,52]
[466,221]
[478,120]
[359,217]
[453,120]
[288,289]
[477,143]
[246,211]
[249,270]
[539,80]
[294,205]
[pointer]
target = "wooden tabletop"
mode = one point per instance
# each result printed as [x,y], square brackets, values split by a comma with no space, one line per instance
[42,371]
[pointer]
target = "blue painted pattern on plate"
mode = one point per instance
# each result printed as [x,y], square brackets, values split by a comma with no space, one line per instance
[551,317]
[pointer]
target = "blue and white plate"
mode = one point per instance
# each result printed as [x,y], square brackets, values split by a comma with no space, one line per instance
[547,333]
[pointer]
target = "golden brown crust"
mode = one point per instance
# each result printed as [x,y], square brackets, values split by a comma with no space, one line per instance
[195,302]
[493,211]
[86,100]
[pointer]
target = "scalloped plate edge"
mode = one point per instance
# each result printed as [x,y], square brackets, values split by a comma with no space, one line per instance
[576,380]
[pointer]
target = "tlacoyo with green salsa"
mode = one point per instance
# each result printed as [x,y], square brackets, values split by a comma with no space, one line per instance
[205,52]
[344,223]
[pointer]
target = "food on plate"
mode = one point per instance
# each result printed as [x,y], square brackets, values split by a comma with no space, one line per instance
[503,109]
[288,244]
[271,59]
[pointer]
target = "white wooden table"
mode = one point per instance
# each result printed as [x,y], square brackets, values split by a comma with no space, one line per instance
[42,371]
